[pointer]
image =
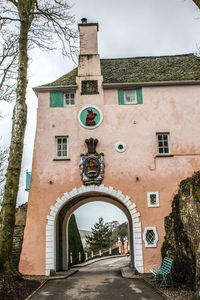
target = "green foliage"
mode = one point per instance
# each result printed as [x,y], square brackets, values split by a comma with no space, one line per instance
[182,229]
[113,225]
[5,289]
[101,236]
[121,231]
[74,241]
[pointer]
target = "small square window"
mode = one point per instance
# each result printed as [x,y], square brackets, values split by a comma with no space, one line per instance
[89,87]
[153,199]
[69,99]
[130,97]
[163,145]
[150,237]
[61,147]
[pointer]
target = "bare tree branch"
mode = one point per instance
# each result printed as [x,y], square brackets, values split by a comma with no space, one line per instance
[8,65]
[6,71]
[10,19]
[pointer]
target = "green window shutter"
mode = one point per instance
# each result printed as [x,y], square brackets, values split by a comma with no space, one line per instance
[139,96]
[56,99]
[120,97]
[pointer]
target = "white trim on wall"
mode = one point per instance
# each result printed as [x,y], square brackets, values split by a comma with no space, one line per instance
[153,243]
[109,191]
[157,204]
[120,147]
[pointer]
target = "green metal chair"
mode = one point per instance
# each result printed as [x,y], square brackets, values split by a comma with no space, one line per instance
[164,271]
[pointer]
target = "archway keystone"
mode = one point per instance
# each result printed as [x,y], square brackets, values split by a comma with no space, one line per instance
[100,190]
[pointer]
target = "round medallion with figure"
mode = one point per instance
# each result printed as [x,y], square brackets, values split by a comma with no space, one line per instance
[90,117]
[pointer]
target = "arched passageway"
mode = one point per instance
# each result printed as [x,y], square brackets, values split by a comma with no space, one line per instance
[56,229]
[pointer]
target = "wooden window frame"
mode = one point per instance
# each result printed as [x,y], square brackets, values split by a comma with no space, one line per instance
[125,97]
[56,148]
[122,96]
[163,140]
[64,99]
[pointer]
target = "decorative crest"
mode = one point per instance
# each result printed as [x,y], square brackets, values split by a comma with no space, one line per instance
[92,164]
[91,145]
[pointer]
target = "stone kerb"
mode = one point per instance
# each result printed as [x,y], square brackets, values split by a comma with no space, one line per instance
[60,202]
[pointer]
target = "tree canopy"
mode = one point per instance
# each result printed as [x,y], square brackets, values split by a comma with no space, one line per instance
[74,242]
[121,231]
[101,236]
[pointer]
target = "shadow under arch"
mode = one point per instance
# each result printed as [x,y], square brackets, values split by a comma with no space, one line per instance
[56,229]
[64,215]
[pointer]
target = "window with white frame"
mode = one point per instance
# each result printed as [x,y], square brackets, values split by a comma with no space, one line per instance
[150,237]
[69,99]
[130,97]
[153,199]
[163,143]
[61,147]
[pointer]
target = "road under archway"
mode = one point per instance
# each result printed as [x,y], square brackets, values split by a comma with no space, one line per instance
[56,230]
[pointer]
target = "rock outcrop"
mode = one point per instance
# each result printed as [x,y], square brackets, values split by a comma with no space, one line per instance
[182,226]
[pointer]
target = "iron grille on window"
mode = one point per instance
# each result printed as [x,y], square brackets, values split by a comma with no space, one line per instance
[153,199]
[150,237]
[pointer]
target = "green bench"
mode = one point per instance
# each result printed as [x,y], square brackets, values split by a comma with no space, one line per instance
[164,271]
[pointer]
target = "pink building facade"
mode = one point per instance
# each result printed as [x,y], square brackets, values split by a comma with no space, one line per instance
[124,131]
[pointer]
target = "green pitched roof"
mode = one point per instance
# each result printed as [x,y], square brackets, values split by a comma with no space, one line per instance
[145,69]
[68,79]
[142,69]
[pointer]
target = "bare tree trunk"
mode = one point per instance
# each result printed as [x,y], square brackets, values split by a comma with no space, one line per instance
[197,2]
[15,158]
[51,18]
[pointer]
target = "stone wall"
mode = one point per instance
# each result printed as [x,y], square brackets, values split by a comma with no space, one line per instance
[182,226]
[20,221]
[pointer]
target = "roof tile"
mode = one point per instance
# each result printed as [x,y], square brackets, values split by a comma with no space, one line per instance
[142,69]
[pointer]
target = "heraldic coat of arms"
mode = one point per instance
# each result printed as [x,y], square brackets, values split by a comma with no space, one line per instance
[92,164]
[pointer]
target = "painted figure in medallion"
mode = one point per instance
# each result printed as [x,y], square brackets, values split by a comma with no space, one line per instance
[90,118]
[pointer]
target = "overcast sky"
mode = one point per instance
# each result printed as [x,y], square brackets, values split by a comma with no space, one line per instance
[127,28]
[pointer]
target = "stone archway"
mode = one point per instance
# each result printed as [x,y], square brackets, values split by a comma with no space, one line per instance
[99,191]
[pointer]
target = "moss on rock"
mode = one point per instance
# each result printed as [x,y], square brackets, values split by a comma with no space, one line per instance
[182,226]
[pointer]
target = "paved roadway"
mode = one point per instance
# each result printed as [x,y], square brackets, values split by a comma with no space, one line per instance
[98,281]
